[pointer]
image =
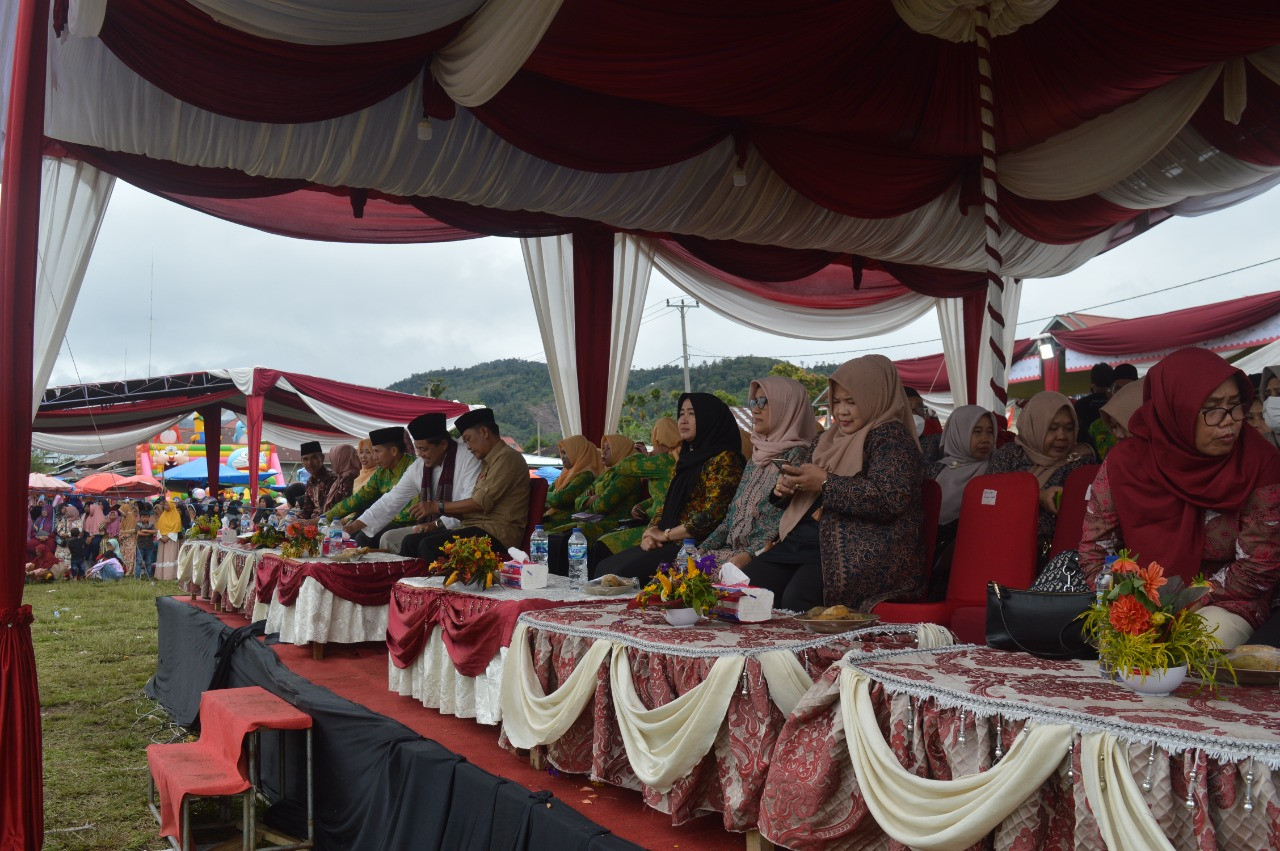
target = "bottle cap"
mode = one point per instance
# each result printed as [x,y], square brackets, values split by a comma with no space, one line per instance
[688,542]
[538,528]
[577,531]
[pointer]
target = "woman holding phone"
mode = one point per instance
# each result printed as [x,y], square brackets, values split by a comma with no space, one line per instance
[782,426]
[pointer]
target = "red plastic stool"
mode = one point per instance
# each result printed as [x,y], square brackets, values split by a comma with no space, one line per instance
[217,765]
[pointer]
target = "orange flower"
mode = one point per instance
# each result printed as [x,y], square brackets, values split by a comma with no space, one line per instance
[309,531]
[1124,565]
[1152,577]
[1129,616]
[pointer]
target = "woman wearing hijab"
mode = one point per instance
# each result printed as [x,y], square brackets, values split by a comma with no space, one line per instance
[345,461]
[655,469]
[1195,491]
[68,521]
[783,426]
[967,443]
[1046,447]
[611,495]
[850,534]
[706,477]
[1115,416]
[43,568]
[94,520]
[581,465]
[168,530]
[368,463]
[128,536]
[263,512]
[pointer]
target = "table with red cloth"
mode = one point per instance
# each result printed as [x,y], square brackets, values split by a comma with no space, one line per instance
[323,600]
[446,646]
[1023,753]
[225,573]
[688,716]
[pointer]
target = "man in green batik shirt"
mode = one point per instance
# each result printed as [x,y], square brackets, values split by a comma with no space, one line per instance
[388,449]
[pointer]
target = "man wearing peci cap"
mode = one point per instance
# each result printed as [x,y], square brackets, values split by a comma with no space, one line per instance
[321,480]
[388,450]
[443,472]
[498,507]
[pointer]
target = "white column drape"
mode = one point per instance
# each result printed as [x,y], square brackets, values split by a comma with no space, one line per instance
[632,266]
[548,261]
[73,202]
[1124,820]
[951,327]
[8,44]
[1011,300]
[530,716]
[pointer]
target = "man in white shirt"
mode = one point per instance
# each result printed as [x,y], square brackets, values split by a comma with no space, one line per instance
[440,473]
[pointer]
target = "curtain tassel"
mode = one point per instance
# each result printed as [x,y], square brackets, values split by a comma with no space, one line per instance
[424,129]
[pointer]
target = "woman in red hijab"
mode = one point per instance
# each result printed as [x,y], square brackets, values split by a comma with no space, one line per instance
[1195,491]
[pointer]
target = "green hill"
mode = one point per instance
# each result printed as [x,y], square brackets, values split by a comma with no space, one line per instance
[519,391]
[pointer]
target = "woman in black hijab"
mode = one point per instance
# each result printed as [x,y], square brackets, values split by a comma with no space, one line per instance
[704,483]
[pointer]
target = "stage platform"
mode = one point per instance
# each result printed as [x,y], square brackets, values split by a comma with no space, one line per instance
[391,774]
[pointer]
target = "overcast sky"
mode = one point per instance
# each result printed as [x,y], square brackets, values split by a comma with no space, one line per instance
[171,290]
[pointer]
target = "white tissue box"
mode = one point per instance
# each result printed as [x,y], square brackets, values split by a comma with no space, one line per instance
[745,604]
[524,575]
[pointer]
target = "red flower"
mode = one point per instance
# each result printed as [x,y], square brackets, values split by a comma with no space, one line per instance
[1129,616]
[1152,577]
[1124,565]
[309,531]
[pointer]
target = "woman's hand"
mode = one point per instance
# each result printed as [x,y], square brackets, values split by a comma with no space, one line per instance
[740,560]
[806,477]
[1049,499]
[652,539]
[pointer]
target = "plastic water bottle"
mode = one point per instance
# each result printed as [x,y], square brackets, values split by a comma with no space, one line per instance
[1102,587]
[577,559]
[322,532]
[688,550]
[538,546]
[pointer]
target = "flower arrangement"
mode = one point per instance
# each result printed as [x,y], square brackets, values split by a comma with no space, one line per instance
[1143,625]
[266,538]
[205,528]
[688,587]
[301,540]
[469,561]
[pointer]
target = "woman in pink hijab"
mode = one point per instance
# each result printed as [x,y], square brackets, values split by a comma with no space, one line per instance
[94,520]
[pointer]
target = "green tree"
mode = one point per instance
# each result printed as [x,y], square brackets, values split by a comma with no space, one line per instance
[43,462]
[434,388]
[812,381]
[728,398]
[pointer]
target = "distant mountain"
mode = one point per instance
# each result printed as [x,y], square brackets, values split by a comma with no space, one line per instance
[519,391]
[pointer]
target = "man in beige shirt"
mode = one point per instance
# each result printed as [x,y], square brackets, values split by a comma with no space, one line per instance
[498,507]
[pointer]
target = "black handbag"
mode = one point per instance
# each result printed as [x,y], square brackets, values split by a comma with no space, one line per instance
[1043,623]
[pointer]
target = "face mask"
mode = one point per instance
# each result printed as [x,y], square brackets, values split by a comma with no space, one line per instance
[919,420]
[1271,413]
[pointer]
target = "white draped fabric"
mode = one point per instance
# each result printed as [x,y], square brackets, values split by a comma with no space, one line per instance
[1124,820]
[101,441]
[549,264]
[1257,361]
[530,716]
[951,326]
[953,20]
[632,266]
[337,21]
[8,41]
[433,680]
[318,615]
[73,202]
[491,47]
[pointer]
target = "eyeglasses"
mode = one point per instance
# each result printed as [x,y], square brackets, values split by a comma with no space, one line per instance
[758,403]
[1217,416]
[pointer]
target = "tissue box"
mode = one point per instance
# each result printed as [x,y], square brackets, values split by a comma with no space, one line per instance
[524,575]
[744,604]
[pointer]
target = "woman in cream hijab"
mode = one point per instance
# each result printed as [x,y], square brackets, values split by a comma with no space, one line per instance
[850,533]
[581,464]
[168,530]
[368,463]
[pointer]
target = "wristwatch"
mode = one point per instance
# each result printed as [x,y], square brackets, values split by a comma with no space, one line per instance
[440,507]
[439,523]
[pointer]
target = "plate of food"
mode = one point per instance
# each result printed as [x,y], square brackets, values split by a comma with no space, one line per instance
[354,553]
[610,585]
[1256,665]
[833,619]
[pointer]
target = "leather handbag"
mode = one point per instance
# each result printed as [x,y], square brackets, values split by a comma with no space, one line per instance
[1043,623]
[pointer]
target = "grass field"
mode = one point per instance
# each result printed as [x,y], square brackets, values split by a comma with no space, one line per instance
[95,645]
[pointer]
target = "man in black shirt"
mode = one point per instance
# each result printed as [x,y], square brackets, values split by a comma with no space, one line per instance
[1089,408]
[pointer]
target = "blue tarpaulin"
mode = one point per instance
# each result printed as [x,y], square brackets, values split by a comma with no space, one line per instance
[198,471]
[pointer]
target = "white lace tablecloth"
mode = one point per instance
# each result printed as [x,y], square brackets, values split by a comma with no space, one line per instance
[432,677]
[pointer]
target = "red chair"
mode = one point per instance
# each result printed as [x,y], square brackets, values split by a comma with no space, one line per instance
[537,505]
[931,502]
[995,540]
[1070,523]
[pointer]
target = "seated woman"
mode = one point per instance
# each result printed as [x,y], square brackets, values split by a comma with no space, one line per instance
[967,443]
[1195,491]
[706,477]
[1046,447]
[45,567]
[581,462]
[783,426]
[611,495]
[656,470]
[850,534]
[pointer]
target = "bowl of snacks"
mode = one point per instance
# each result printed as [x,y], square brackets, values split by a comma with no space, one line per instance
[832,619]
[610,585]
[1256,665]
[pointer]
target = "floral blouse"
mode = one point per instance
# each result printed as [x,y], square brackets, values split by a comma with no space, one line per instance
[709,502]
[560,503]
[1241,551]
[752,520]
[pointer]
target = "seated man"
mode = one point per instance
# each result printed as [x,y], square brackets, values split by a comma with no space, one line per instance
[317,487]
[441,474]
[498,507]
[388,449]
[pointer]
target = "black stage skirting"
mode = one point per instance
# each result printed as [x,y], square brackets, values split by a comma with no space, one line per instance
[378,785]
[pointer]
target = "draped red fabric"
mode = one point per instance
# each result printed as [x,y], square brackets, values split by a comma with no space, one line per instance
[761,263]
[1178,328]
[165,177]
[927,374]
[253,437]
[939,283]
[1256,139]
[490,221]
[123,415]
[371,586]
[369,401]
[212,415]
[1063,222]
[21,774]
[593,324]
[182,50]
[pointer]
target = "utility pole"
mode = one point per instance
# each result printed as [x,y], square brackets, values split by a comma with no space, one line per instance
[684,306]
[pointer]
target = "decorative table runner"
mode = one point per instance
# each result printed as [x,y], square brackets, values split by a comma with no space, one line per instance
[326,601]
[224,574]
[688,716]
[446,646]
[941,749]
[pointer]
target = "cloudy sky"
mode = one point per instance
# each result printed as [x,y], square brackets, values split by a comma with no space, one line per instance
[170,290]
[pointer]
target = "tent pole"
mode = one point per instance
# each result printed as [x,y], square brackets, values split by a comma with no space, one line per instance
[21,772]
[212,443]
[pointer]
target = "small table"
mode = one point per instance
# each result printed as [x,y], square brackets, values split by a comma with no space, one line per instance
[446,646]
[1042,753]
[223,573]
[687,716]
[323,600]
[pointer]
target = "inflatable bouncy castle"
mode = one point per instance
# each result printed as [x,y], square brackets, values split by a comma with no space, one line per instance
[169,449]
